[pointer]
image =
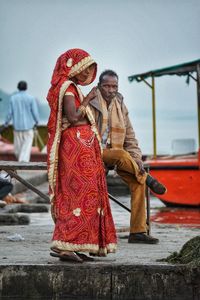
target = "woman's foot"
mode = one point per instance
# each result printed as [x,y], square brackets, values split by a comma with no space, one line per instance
[85,257]
[66,255]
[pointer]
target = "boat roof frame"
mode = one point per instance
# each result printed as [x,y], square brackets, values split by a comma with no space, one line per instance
[184,69]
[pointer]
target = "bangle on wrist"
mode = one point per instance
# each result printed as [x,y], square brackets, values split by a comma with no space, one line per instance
[82,110]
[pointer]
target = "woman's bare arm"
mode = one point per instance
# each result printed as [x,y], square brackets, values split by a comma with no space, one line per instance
[74,115]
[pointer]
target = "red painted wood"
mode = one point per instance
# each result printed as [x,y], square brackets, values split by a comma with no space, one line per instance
[183,186]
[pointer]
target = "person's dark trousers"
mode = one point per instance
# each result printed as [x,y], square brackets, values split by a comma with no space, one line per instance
[5,188]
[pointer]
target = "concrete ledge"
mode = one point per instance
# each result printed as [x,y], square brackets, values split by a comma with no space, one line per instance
[93,281]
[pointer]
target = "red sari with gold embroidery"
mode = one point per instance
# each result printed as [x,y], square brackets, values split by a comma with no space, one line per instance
[81,209]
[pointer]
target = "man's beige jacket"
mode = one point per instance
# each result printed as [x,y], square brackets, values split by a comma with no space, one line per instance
[129,141]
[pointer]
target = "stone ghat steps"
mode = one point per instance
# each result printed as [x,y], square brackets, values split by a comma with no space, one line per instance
[19,213]
[93,281]
[31,197]
[27,271]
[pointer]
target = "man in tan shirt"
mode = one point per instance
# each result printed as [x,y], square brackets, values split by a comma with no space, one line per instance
[120,149]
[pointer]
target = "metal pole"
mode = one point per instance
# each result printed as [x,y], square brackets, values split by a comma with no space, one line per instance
[154,117]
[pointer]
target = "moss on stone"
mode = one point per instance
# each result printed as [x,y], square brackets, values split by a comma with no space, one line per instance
[189,254]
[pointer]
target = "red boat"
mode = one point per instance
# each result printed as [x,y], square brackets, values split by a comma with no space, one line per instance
[182,179]
[180,174]
[7,146]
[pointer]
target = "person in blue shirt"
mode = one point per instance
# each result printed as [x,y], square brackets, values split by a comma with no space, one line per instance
[23,112]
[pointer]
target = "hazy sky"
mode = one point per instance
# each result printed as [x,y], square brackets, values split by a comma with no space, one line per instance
[129,36]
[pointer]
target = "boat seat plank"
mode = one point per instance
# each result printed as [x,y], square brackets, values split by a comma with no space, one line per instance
[16,165]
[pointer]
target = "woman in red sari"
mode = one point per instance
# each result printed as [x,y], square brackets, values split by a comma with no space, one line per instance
[78,191]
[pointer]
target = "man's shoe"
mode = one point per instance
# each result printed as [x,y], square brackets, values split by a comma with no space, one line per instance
[155,185]
[142,238]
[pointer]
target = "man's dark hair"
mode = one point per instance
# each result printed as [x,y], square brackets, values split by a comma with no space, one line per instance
[22,86]
[107,73]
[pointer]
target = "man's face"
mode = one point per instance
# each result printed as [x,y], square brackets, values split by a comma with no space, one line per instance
[108,87]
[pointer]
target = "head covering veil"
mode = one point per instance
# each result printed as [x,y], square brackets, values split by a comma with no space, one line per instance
[68,65]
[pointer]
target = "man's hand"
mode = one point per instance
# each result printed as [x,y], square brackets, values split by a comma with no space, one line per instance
[140,165]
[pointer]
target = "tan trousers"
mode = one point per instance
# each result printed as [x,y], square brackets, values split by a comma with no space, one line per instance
[128,170]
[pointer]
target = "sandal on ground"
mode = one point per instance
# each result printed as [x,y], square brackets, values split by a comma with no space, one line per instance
[56,250]
[97,254]
[84,257]
[81,255]
[71,256]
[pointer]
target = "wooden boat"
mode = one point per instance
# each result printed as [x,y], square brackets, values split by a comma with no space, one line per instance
[37,152]
[181,174]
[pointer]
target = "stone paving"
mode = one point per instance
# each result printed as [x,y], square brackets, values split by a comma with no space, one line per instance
[27,271]
[37,236]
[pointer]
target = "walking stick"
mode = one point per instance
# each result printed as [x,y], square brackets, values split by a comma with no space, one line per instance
[38,138]
[119,203]
[148,222]
[128,209]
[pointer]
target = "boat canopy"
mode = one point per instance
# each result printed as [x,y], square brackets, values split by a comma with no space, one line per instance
[185,69]
[180,70]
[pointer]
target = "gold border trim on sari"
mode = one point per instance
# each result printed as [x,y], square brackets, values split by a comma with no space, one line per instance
[53,156]
[92,248]
[80,66]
